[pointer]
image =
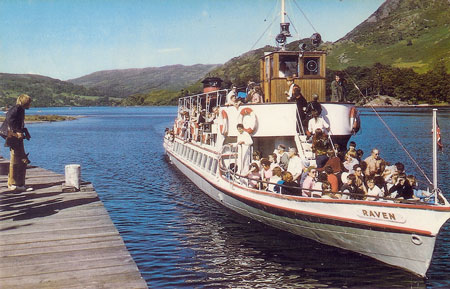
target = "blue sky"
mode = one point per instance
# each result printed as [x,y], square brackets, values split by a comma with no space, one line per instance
[67,39]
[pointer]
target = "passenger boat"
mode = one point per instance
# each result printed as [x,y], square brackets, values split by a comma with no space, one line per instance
[401,233]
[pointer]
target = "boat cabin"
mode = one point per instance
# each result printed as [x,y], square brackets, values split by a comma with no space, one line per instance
[308,68]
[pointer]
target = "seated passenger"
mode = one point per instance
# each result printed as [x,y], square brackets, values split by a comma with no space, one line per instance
[256,158]
[292,187]
[334,162]
[360,178]
[317,122]
[327,192]
[401,189]
[310,180]
[232,92]
[233,101]
[320,146]
[375,164]
[351,190]
[276,177]
[273,160]
[373,190]
[350,162]
[295,165]
[317,188]
[283,157]
[332,179]
[423,196]
[266,171]
[359,154]
[256,95]
[254,176]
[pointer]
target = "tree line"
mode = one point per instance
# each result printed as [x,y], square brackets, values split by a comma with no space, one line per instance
[404,84]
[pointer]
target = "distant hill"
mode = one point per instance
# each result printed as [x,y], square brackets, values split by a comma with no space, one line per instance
[126,82]
[47,91]
[403,33]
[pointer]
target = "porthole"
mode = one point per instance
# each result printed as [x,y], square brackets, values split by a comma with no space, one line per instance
[416,240]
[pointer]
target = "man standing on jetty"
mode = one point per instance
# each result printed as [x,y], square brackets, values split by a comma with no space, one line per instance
[14,131]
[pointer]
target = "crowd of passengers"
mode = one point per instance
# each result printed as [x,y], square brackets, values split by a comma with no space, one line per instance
[338,176]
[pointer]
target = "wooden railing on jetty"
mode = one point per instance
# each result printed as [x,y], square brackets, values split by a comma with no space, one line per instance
[50,238]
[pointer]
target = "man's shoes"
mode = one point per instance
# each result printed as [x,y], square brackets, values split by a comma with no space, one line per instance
[19,188]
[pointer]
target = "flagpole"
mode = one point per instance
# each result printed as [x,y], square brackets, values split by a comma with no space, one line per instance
[435,155]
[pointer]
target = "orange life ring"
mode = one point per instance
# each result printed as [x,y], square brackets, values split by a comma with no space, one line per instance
[355,122]
[247,111]
[223,128]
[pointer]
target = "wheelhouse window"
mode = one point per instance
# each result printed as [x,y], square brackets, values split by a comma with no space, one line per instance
[288,66]
[311,66]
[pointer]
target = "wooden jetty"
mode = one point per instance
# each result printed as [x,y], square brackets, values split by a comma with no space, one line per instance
[54,238]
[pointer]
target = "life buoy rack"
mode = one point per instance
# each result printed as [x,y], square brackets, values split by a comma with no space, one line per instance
[247,111]
[355,122]
[223,127]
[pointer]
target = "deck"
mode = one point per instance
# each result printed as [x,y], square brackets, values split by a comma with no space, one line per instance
[50,238]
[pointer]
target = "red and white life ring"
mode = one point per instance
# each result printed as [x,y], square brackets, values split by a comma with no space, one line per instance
[355,122]
[223,127]
[247,111]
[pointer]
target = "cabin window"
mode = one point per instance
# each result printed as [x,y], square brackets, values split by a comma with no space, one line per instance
[268,68]
[311,65]
[205,158]
[214,167]
[199,159]
[288,66]
[208,164]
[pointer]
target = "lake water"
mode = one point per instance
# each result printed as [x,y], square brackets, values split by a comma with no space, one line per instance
[181,238]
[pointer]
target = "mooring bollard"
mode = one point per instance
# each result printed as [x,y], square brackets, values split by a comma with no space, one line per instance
[73,176]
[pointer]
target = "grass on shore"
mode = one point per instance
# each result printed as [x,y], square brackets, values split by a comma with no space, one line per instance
[37,118]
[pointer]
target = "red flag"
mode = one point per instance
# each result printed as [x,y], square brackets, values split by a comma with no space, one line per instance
[438,137]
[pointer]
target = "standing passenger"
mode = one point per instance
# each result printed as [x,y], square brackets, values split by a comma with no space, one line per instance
[244,143]
[295,94]
[337,94]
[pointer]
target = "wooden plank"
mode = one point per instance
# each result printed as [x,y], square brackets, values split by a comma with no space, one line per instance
[55,239]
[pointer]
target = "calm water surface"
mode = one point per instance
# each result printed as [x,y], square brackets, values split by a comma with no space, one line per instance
[181,238]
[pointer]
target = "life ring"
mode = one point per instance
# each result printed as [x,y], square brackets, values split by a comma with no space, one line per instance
[223,127]
[247,111]
[355,122]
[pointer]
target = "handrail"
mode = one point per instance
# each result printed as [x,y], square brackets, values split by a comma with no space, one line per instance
[357,196]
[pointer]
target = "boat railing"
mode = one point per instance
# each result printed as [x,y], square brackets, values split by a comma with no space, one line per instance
[234,177]
[204,100]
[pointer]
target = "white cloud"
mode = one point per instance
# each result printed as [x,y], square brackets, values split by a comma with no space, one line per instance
[205,13]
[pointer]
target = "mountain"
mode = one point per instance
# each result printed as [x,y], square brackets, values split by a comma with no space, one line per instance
[403,33]
[46,91]
[126,82]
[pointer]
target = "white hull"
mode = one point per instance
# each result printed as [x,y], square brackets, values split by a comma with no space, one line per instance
[391,233]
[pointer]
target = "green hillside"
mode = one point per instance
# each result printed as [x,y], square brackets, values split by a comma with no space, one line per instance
[406,34]
[47,91]
[126,82]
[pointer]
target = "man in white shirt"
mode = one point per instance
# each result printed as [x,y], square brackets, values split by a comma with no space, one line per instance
[244,143]
[295,166]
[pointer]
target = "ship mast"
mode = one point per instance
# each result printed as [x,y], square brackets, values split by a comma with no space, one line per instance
[284,29]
